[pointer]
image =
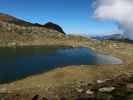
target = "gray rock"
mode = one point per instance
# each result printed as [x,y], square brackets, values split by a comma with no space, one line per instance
[102,81]
[80,90]
[129,87]
[106,89]
[89,92]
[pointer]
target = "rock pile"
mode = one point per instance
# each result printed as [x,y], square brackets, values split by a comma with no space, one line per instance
[117,88]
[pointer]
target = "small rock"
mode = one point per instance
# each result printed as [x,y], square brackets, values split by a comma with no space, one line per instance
[129,87]
[122,78]
[80,90]
[13,44]
[4,90]
[36,97]
[89,92]
[102,81]
[106,89]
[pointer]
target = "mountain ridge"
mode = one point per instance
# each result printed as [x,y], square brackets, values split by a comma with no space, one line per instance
[17,32]
[14,20]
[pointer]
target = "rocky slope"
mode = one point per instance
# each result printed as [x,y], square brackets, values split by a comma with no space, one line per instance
[14,31]
[13,20]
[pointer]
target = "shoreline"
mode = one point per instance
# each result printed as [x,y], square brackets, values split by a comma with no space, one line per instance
[61,79]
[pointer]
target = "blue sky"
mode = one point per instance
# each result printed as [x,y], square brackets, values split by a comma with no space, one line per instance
[75,16]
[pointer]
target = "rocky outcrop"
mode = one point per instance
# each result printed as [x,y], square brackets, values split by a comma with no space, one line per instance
[117,88]
[53,26]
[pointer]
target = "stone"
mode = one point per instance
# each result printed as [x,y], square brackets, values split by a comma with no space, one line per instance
[106,89]
[36,97]
[89,92]
[80,90]
[129,86]
[102,81]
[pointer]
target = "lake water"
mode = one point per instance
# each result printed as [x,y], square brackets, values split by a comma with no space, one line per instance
[20,62]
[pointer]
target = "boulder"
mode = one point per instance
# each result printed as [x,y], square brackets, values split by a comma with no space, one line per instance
[129,87]
[107,89]
[80,90]
[89,92]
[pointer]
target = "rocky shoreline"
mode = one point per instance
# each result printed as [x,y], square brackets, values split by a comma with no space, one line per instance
[117,88]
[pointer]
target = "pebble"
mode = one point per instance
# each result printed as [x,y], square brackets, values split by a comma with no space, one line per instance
[101,81]
[106,89]
[89,92]
[80,90]
[129,87]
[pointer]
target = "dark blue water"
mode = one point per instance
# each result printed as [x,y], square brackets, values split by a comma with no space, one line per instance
[20,62]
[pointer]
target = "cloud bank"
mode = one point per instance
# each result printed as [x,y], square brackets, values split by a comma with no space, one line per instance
[120,11]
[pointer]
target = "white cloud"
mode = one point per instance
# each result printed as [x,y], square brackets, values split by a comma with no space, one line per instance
[120,11]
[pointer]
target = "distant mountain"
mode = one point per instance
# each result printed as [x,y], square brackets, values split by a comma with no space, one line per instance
[114,37]
[110,37]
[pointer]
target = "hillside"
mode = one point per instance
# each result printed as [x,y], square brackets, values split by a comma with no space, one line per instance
[13,20]
[14,31]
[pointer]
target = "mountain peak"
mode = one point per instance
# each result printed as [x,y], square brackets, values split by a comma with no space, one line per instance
[54,26]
